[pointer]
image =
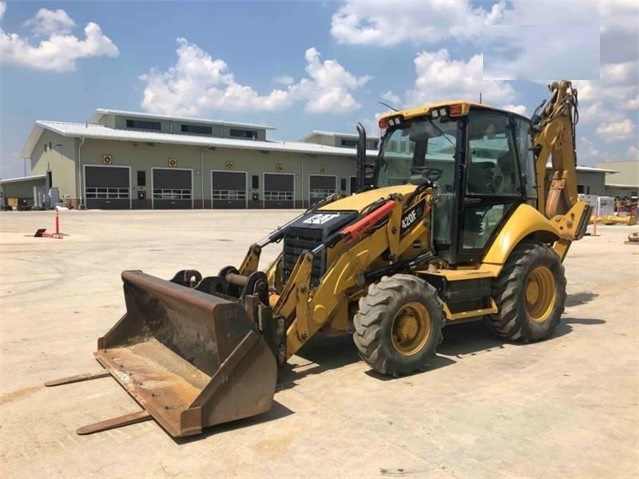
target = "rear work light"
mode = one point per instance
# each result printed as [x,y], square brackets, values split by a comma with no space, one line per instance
[455,110]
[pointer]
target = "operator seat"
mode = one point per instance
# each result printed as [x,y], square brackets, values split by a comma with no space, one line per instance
[479,177]
[506,167]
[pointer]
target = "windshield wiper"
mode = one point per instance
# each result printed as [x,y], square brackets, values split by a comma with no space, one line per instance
[439,130]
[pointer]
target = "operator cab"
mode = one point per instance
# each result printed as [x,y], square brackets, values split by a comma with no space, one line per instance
[479,160]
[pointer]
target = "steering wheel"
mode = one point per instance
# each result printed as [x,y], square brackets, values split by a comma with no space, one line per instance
[431,174]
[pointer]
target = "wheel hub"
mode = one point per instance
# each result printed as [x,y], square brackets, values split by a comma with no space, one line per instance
[410,329]
[406,328]
[540,294]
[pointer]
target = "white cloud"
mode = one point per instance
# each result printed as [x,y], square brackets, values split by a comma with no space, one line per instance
[198,83]
[514,52]
[619,130]
[612,96]
[606,97]
[285,80]
[617,89]
[592,113]
[49,22]
[60,50]
[619,72]
[387,23]
[330,86]
[633,153]
[521,109]
[3,8]
[439,78]
[391,97]
[617,20]
[525,12]
[371,124]
[607,102]
[632,103]
[586,150]
[618,15]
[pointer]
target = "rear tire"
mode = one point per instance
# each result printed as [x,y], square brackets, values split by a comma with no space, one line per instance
[530,293]
[398,325]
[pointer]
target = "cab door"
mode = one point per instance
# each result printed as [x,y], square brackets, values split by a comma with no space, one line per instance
[490,187]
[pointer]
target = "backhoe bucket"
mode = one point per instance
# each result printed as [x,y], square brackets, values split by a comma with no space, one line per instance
[191,359]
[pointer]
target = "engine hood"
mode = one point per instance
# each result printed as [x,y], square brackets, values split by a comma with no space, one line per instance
[360,201]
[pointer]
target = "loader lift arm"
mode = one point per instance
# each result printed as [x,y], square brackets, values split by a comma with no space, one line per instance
[309,313]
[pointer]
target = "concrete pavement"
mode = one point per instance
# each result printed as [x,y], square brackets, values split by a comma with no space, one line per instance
[566,407]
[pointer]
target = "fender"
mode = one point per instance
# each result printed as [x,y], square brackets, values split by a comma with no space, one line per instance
[524,222]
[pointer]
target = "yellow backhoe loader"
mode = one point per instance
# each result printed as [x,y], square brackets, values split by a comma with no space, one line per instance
[453,221]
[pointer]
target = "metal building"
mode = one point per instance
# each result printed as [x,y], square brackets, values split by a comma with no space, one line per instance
[20,193]
[343,140]
[121,160]
[592,180]
[625,183]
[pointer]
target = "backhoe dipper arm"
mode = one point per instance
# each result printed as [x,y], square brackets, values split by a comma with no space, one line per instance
[553,136]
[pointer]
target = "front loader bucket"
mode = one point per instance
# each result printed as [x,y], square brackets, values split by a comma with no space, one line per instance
[191,359]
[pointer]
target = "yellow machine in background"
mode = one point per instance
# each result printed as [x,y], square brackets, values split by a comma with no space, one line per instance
[452,222]
[630,220]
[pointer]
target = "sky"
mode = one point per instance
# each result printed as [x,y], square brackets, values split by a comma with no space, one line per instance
[300,66]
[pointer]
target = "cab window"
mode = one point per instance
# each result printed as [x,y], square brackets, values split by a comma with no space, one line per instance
[492,162]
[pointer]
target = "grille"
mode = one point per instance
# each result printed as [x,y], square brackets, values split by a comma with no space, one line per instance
[298,240]
[306,234]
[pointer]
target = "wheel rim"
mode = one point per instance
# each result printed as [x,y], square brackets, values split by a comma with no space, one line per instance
[411,328]
[540,294]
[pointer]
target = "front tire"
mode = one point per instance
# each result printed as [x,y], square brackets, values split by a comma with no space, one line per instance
[398,325]
[530,293]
